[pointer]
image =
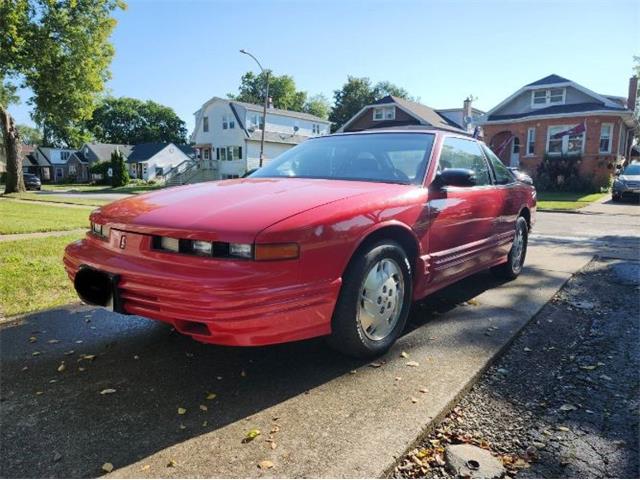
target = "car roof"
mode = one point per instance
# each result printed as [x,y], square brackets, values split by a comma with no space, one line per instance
[404,129]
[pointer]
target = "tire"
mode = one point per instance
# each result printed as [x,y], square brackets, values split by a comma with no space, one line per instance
[369,317]
[515,260]
[615,198]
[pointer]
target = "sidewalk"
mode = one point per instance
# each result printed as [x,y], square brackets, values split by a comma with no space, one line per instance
[606,206]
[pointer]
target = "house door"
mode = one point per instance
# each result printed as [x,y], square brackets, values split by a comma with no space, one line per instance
[139,170]
[515,152]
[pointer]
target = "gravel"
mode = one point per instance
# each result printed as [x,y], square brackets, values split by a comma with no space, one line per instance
[563,400]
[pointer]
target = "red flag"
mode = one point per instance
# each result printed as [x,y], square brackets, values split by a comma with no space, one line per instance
[578,129]
[503,145]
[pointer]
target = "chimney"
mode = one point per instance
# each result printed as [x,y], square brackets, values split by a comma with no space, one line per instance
[633,93]
[467,112]
[270,102]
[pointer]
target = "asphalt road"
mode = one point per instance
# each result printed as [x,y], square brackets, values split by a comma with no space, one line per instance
[330,415]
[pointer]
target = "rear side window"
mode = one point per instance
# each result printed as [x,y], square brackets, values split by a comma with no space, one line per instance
[503,174]
[461,153]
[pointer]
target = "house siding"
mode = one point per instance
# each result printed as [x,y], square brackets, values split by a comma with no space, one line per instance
[522,103]
[365,120]
[594,163]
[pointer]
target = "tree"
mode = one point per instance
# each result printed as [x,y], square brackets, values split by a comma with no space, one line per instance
[357,93]
[282,90]
[130,121]
[60,50]
[120,174]
[29,135]
[317,105]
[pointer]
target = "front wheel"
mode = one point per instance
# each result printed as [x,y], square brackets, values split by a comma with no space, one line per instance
[374,301]
[515,260]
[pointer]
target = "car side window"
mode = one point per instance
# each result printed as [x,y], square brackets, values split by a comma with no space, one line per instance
[503,174]
[462,153]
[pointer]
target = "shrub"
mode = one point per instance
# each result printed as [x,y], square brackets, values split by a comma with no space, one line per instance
[561,174]
[120,172]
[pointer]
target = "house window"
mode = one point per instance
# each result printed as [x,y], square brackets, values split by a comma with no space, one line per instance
[206,153]
[606,132]
[548,96]
[229,153]
[205,124]
[228,122]
[257,120]
[531,141]
[315,128]
[384,113]
[72,169]
[160,171]
[64,156]
[59,173]
[229,176]
[570,144]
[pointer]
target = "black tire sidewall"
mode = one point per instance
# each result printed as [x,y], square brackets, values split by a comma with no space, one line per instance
[347,333]
[521,223]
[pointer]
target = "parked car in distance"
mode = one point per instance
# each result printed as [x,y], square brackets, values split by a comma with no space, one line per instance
[627,183]
[521,176]
[335,237]
[31,181]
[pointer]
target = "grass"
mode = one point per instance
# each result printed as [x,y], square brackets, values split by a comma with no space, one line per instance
[85,188]
[22,217]
[52,198]
[75,187]
[32,276]
[566,200]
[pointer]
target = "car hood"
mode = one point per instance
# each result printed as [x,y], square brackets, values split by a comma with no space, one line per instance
[231,210]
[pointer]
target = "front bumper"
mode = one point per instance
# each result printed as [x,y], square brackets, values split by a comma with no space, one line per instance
[221,301]
[626,188]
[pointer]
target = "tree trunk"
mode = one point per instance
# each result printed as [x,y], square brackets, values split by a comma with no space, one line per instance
[12,146]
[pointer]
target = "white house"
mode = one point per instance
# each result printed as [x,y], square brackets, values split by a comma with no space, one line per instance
[150,160]
[227,134]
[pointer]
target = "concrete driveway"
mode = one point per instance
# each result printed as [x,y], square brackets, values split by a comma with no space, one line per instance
[326,415]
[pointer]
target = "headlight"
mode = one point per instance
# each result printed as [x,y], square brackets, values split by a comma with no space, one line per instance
[242,250]
[101,231]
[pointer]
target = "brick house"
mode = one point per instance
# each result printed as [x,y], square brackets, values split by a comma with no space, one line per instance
[557,118]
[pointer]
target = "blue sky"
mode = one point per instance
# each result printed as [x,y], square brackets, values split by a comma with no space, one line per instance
[181,53]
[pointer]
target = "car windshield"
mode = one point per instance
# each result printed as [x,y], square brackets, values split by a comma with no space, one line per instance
[372,157]
[632,169]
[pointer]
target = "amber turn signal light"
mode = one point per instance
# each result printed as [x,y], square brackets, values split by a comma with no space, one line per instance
[276,251]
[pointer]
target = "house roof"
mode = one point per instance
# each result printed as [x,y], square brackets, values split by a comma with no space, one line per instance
[558,109]
[274,137]
[278,111]
[144,151]
[188,150]
[549,79]
[104,150]
[419,111]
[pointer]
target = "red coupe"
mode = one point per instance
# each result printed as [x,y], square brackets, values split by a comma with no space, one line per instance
[335,237]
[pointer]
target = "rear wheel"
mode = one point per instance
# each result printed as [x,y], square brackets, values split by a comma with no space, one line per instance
[515,260]
[374,301]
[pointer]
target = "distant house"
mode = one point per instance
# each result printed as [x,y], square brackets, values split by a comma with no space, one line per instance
[391,111]
[54,160]
[555,117]
[227,134]
[80,162]
[150,160]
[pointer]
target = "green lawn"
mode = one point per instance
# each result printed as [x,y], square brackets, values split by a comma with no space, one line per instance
[52,198]
[85,188]
[72,187]
[566,200]
[32,276]
[23,217]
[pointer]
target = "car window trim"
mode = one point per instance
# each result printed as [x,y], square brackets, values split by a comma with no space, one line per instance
[490,169]
[495,176]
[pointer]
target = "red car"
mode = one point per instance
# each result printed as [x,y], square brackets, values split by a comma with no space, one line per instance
[335,237]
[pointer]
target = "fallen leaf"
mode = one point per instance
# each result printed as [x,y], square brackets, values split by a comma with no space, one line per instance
[275,429]
[527,349]
[136,357]
[57,456]
[32,339]
[424,390]
[605,377]
[205,423]
[145,467]
[88,357]
[182,426]
[107,467]
[108,391]
[62,367]
[204,408]
[218,378]
[78,341]
[182,411]
[562,429]
[243,373]
[25,368]
[473,301]
[35,354]
[404,355]
[567,407]
[375,364]
[53,340]
[211,396]
[273,445]
[81,369]
[265,464]
[398,379]
[353,372]
[412,363]
[414,400]
[172,463]
[588,367]
[39,392]
[69,352]
[251,434]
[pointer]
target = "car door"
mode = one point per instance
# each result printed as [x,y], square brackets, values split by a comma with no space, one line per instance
[510,198]
[462,219]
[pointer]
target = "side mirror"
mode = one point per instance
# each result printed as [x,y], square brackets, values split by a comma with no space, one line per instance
[456,177]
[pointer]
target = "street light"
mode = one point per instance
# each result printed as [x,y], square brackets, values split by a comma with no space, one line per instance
[266,99]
